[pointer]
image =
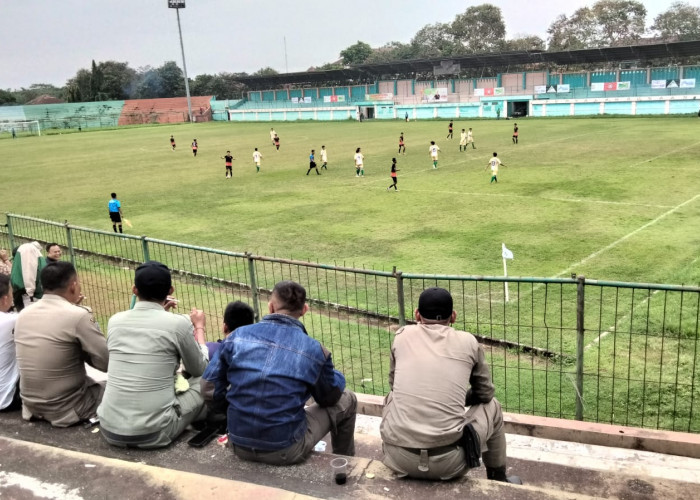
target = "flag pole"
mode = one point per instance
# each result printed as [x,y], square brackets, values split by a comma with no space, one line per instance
[505,272]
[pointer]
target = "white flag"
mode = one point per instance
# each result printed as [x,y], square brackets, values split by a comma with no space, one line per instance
[505,253]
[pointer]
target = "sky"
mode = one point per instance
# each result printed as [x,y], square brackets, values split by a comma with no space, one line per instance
[48,41]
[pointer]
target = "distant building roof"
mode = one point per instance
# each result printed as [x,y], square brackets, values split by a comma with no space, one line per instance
[46,99]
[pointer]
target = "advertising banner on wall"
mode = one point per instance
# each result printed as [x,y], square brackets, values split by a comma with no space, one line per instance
[687,83]
[658,84]
[333,98]
[540,89]
[564,87]
[387,96]
[435,95]
[597,86]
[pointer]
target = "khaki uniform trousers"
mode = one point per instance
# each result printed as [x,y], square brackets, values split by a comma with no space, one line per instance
[338,419]
[448,462]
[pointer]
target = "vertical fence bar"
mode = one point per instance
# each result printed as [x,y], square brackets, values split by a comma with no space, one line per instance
[400,297]
[253,286]
[580,301]
[69,242]
[144,246]
[10,234]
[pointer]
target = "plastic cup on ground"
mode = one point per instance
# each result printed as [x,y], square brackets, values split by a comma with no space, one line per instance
[339,468]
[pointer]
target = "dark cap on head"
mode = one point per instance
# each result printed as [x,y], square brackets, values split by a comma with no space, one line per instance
[435,304]
[153,280]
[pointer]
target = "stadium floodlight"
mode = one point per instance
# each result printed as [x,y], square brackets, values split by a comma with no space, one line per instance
[177,5]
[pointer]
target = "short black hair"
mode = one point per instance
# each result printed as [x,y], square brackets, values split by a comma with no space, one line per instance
[57,275]
[4,284]
[114,195]
[152,280]
[238,314]
[291,296]
[49,245]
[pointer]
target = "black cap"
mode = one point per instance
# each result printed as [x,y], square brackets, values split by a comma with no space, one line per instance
[152,276]
[435,304]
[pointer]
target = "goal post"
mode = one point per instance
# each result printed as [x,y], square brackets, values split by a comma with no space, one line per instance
[21,128]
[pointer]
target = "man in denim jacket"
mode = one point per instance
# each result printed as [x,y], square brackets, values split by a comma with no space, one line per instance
[267,372]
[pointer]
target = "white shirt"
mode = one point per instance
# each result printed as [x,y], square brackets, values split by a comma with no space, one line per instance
[324,155]
[359,157]
[9,373]
[434,151]
[256,156]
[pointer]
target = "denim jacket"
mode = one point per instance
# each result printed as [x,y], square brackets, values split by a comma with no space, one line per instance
[267,372]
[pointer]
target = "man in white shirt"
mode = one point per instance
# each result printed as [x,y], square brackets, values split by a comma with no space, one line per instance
[257,156]
[9,373]
[433,150]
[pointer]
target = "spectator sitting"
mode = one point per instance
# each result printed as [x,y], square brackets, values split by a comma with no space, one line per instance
[53,253]
[140,407]
[54,338]
[5,262]
[427,433]
[267,372]
[26,271]
[9,373]
[236,314]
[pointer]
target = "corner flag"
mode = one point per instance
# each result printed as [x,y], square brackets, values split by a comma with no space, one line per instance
[505,253]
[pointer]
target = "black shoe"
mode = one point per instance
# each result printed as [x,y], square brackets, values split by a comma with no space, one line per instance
[499,474]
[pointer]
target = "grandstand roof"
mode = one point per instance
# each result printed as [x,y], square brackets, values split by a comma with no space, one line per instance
[364,72]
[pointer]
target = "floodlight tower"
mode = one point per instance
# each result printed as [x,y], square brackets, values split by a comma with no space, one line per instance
[177,5]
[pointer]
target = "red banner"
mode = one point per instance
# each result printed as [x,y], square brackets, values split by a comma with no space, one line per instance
[610,86]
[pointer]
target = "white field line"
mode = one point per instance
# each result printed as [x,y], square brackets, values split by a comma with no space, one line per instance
[626,237]
[664,154]
[614,327]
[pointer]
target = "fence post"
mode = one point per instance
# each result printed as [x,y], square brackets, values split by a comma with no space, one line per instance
[144,246]
[400,297]
[580,301]
[253,286]
[69,240]
[10,235]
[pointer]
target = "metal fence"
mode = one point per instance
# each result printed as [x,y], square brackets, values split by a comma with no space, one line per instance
[622,353]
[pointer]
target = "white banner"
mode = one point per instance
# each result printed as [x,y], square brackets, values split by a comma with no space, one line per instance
[597,86]
[479,92]
[564,87]
[540,89]
[688,83]
[658,84]
[435,95]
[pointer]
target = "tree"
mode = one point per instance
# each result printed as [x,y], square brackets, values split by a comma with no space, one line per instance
[580,31]
[681,20]
[95,83]
[524,42]
[619,21]
[172,80]
[266,71]
[78,88]
[392,51]
[356,54]
[118,80]
[433,40]
[7,98]
[479,29]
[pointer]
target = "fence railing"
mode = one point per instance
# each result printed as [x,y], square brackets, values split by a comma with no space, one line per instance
[602,351]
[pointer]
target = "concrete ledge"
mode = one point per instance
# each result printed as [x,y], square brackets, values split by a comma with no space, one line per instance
[633,438]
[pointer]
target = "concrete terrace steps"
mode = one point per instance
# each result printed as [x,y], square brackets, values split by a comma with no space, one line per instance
[550,469]
[167,110]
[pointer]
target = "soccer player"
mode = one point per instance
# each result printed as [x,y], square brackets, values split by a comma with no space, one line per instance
[470,139]
[433,151]
[276,142]
[407,115]
[494,163]
[115,212]
[324,158]
[515,133]
[359,163]
[312,163]
[172,142]
[257,156]
[463,140]
[194,147]
[449,130]
[272,135]
[229,164]
[402,146]
[393,175]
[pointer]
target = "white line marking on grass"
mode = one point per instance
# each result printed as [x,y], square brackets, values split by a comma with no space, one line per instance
[625,237]
[664,154]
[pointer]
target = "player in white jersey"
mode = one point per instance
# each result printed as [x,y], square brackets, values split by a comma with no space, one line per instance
[359,163]
[463,140]
[470,139]
[257,156]
[433,151]
[494,163]
[324,158]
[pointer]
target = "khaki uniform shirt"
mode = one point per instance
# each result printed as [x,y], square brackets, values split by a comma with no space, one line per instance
[146,345]
[431,369]
[54,339]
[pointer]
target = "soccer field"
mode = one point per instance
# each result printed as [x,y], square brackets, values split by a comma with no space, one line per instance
[611,198]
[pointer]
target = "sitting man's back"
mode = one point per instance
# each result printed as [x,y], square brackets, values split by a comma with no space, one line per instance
[268,371]
[54,338]
[434,372]
[140,407]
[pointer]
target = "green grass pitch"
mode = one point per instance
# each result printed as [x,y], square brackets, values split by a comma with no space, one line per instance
[611,198]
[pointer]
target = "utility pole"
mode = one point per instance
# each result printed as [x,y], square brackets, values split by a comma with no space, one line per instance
[177,5]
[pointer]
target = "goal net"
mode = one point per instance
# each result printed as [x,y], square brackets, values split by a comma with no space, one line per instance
[20,128]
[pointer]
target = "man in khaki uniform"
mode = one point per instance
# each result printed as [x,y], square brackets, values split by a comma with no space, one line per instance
[54,338]
[435,371]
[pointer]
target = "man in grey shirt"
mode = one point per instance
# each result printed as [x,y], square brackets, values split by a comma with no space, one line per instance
[141,406]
